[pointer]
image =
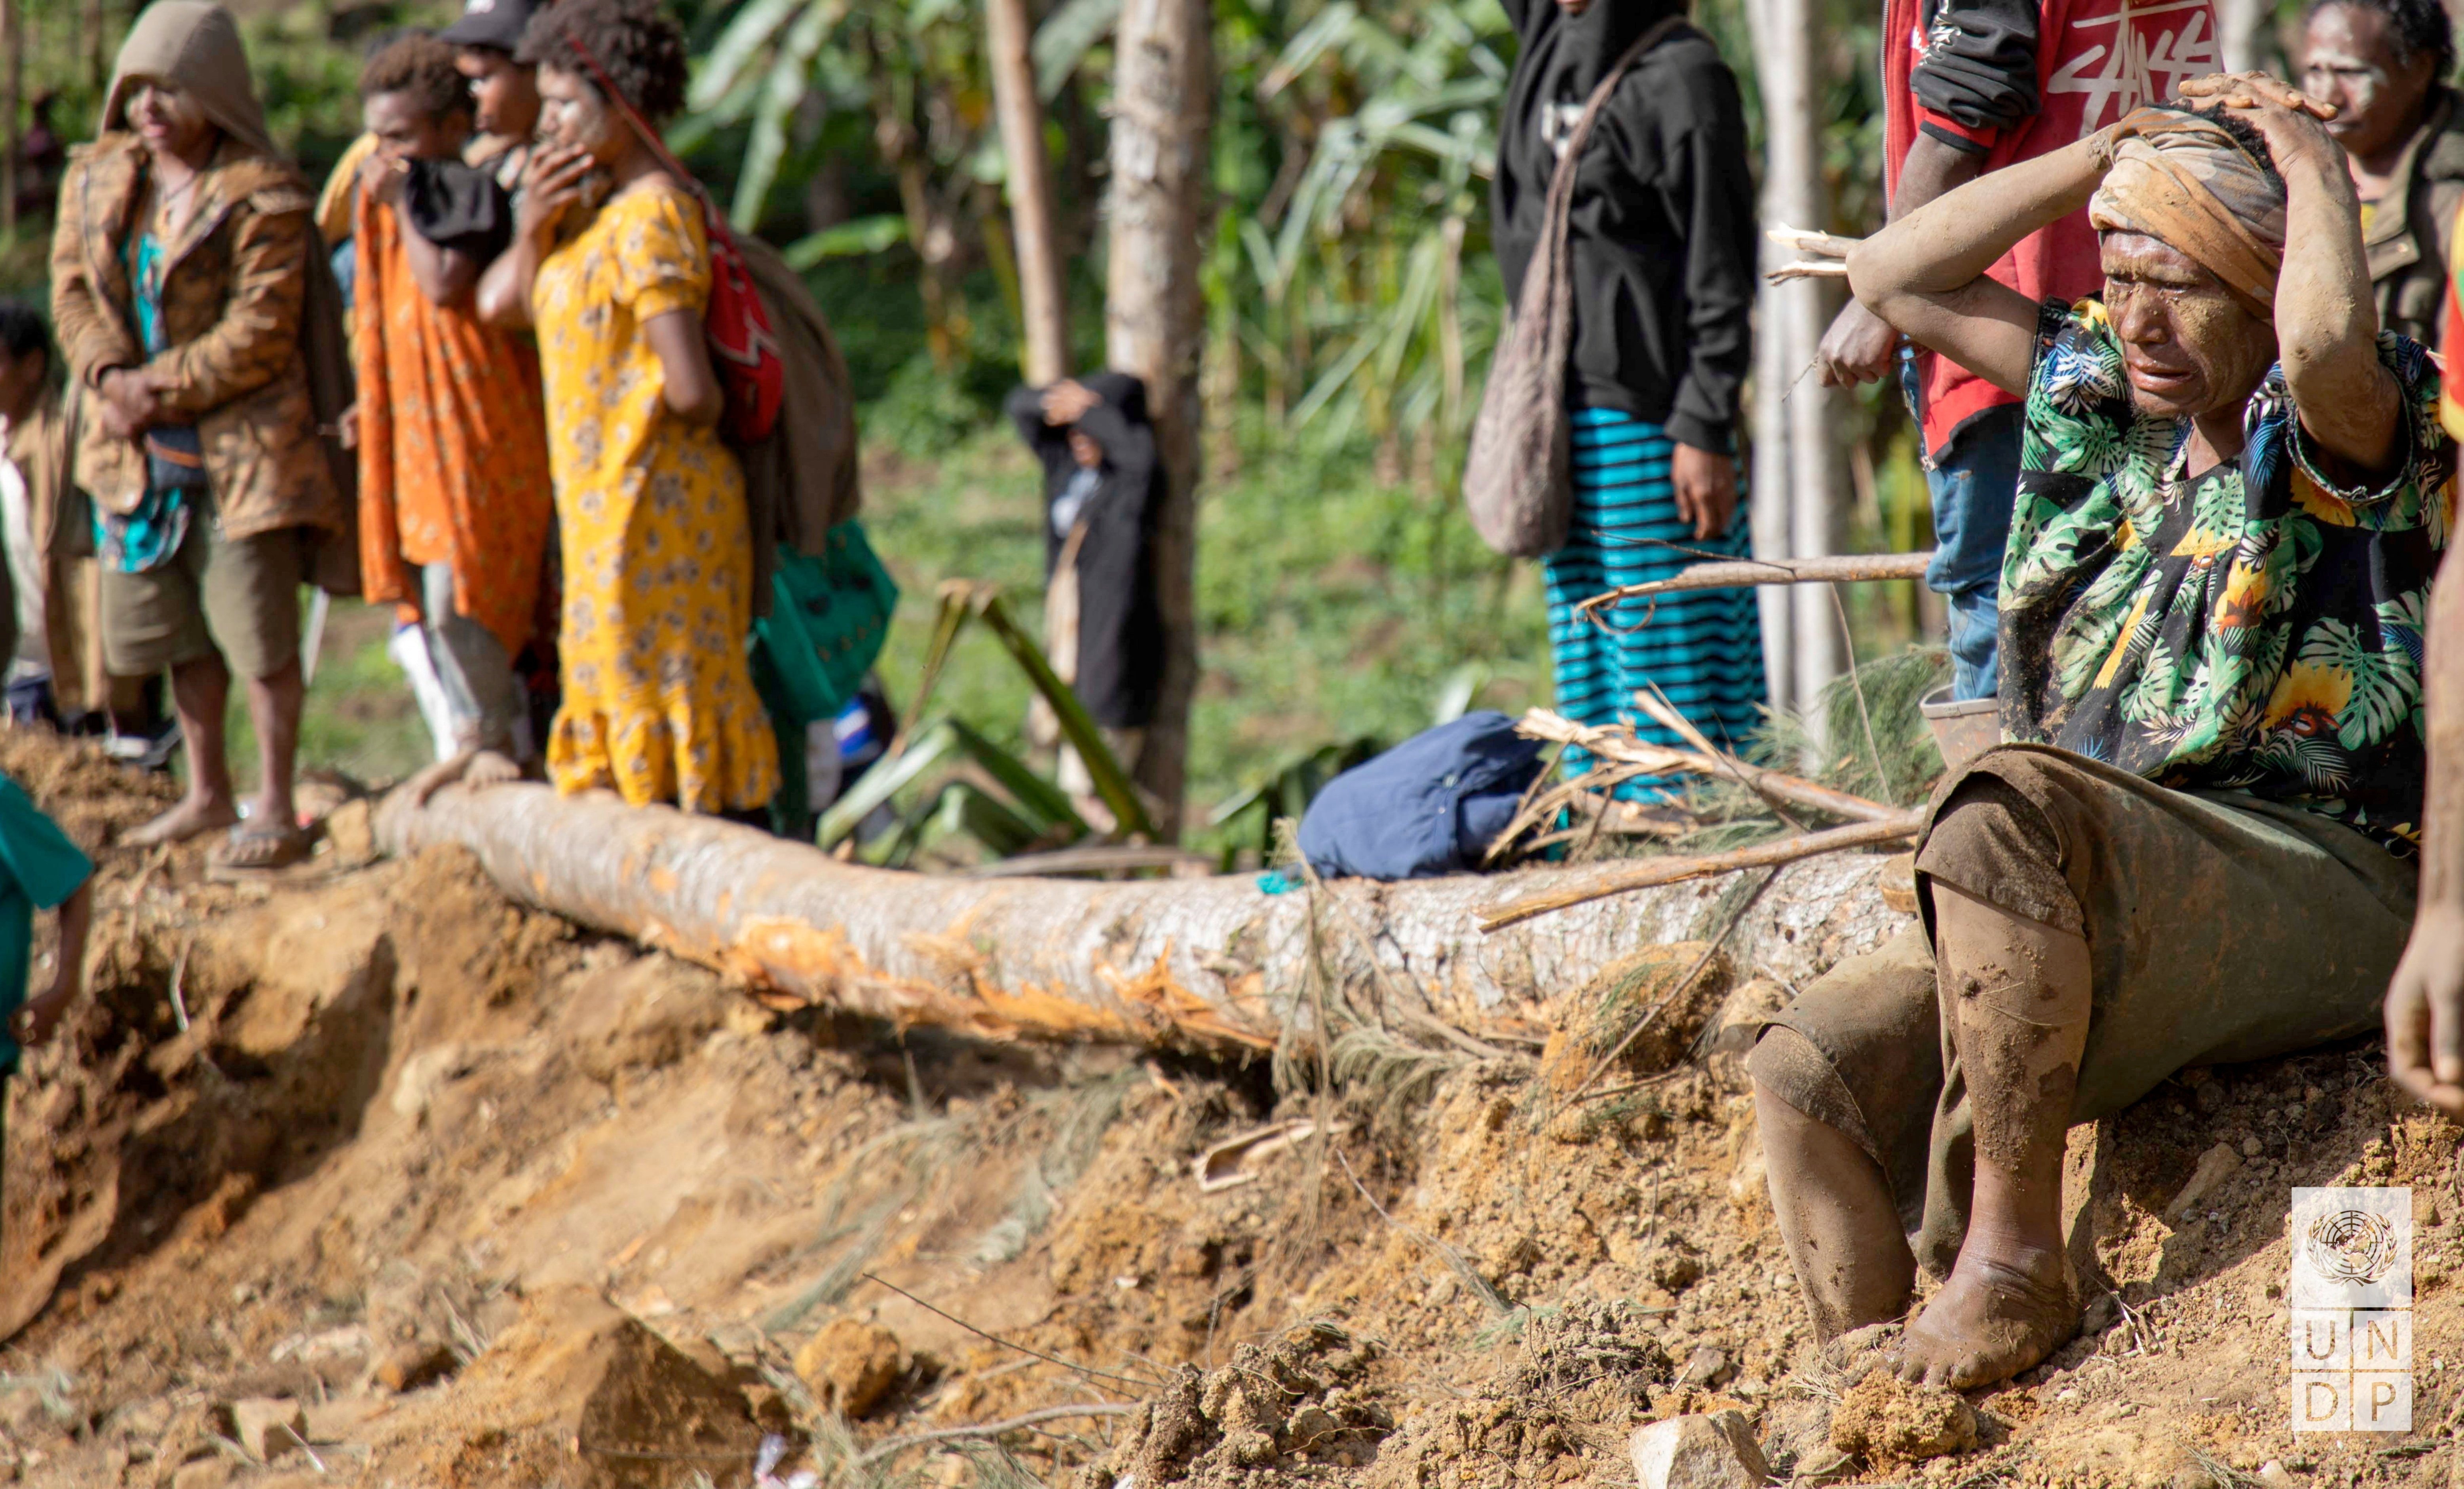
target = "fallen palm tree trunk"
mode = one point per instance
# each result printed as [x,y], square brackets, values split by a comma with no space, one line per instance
[1207,963]
[1653,872]
[1739,572]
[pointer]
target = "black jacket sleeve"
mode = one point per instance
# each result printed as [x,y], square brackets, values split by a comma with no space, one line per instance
[1024,407]
[1979,67]
[1708,186]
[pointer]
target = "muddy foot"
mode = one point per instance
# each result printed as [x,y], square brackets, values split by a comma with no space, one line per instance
[1989,1321]
[476,769]
[190,819]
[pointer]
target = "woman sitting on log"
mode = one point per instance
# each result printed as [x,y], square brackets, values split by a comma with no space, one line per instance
[2196,847]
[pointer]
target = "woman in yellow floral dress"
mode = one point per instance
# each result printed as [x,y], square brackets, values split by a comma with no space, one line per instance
[659,704]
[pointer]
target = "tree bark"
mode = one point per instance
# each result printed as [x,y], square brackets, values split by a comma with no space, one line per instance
[12,87]
[1793,194]
[2242,40]
[1208,964]
[1044,312]
[1163,105]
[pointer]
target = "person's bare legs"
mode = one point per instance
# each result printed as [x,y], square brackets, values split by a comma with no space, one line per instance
[1836,1214]
[274,705]
[200,694]
[2018,994]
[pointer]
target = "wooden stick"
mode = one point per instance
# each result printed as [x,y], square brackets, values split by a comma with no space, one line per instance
[1618,745]
[1018,1423]
[1807,241]
[1808,268]
[1648,873]
[1734,573]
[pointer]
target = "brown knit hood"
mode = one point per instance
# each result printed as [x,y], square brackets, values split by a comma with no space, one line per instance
[194,45]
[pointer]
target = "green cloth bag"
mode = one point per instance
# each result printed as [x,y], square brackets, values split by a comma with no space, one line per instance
[828,618]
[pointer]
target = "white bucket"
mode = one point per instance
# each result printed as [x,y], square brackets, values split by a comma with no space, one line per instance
[1962,731]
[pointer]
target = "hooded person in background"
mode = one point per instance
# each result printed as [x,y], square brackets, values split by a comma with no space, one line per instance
[1661,235]
[454,488]
[1102,488]
[202,336]
[2383,65]
[2194,851]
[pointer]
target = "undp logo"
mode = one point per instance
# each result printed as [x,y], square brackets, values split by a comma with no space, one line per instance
[2353,1245]
[2352,1310]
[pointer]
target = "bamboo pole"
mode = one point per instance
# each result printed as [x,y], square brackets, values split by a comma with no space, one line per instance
[1044,312]
[1212,964]
[1733,574]
[1793,406]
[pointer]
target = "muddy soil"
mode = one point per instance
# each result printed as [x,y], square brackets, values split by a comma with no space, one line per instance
[374,1177]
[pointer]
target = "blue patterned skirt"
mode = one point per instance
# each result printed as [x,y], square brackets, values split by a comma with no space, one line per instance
[1702,647]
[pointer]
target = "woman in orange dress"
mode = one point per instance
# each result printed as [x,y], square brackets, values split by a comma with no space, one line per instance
[454,490]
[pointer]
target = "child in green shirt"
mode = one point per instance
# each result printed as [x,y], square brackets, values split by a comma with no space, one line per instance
[39,869]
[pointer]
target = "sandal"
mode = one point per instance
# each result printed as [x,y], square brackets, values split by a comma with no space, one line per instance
[253,849]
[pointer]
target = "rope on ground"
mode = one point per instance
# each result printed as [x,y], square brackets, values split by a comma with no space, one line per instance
[1018,1423]
[1601,1066]
[1009,1344]
[1455,1262]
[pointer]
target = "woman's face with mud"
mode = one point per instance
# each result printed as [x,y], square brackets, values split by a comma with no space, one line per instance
[2189,346]
[2352,58]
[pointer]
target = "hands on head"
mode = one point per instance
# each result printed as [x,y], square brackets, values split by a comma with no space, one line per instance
[1066,401]
[2285,116]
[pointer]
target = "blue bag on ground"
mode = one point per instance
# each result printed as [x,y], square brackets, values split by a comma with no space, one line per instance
[1428,806]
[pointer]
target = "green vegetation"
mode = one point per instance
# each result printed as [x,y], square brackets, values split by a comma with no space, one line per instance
[1353,300]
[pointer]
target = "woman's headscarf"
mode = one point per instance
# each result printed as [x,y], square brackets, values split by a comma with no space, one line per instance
[2186,182]
[194,45]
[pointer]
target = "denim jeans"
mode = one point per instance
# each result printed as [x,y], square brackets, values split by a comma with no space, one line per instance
[1974,483]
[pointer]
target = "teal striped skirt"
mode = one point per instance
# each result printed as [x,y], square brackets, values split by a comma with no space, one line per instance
[1702,647]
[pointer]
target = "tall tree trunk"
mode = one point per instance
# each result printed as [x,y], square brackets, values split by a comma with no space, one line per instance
[1155,322]
[1043,311]
[97,50]
[2242,40]
[1803,478]
[12,87]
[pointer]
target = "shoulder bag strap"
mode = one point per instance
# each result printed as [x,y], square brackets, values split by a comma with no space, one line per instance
[1561,183]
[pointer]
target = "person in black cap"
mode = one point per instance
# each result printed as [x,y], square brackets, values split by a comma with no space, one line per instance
[502,90]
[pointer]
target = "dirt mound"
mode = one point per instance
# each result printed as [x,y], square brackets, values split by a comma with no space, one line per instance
[1293,1406]
[486,1200]
[93,798]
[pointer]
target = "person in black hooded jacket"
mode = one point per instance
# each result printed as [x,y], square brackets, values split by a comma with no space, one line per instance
[1662,257]
[1103,486]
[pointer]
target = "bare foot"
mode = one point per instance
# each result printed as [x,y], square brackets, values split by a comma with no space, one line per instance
[193,818]
[1996,1316]
[490,768]
[475,768]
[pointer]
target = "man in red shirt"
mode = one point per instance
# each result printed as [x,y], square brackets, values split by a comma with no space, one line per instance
[1970,86]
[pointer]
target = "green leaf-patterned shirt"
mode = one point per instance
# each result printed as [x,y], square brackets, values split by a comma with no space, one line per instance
[2254,628]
